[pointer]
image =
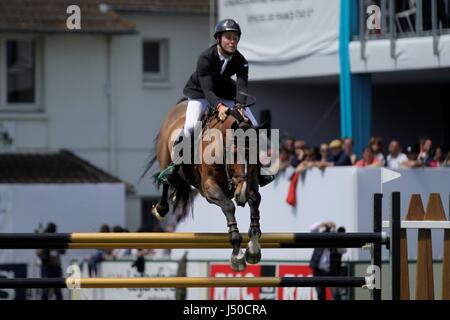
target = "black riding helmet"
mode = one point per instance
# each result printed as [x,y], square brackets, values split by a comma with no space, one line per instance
[226,25]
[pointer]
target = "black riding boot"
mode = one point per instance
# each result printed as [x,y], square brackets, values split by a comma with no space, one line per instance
[265,179]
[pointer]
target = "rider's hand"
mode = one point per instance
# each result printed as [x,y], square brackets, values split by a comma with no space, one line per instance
[241,111]
[223,110]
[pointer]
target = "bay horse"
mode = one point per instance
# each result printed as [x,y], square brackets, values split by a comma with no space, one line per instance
[219,183]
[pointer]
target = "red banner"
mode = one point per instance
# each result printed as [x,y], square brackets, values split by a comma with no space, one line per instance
[274,270]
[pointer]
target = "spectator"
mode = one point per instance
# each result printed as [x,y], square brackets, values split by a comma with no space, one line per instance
[368,159]
[308,161]
[446,162]
[51,264]
[120,253]
[376,144]
[438,159]
[323,152]
[425,148]
[284,159]
[337,157]
[326,261]
[98,256]
[299,152]
[348,149]
[288,144]
[104,228]
[117,228]
[412,154]
[395,157]
[160,253]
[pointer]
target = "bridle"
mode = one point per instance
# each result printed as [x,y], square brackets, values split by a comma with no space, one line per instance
[235,112]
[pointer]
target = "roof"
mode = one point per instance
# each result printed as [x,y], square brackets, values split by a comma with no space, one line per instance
[61,167]
[49,16]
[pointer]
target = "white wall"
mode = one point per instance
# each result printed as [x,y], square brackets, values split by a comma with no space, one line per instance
[410,53]
[73,207]
[343,195]
[320,195]
[142,108]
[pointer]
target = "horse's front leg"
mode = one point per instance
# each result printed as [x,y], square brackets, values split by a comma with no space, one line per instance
[253,251]
[214,194]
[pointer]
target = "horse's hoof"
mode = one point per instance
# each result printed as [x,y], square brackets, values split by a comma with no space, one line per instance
[238,262]
[252,258]
[253,251]
[161,216]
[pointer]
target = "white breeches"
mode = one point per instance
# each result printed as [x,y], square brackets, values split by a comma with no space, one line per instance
[196,107]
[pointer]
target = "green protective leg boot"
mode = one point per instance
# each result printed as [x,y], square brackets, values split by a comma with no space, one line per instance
[168,175]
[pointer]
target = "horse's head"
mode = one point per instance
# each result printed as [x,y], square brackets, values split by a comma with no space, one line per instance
[222,145]
[237,164]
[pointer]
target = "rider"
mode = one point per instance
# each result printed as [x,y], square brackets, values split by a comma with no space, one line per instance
[211,85]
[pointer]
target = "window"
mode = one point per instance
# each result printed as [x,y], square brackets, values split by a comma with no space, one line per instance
[18,74]
[20,71]
[155,60]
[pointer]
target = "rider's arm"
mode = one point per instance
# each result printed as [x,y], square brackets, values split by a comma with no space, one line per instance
[204,75]
[242,81]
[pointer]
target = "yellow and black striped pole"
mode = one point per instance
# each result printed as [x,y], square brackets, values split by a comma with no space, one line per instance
[184,240]
[185,282]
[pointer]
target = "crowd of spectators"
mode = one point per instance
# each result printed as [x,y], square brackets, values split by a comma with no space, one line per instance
[137,255]
[339,152]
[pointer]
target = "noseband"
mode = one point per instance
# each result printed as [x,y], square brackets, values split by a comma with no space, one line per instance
[241,124]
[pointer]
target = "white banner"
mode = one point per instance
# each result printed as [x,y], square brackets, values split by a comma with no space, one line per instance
[281,31]
[122,269]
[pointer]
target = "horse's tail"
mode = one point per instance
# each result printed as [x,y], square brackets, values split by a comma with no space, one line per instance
[151,162]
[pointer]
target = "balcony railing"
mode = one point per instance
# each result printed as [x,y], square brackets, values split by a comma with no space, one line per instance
[404,18]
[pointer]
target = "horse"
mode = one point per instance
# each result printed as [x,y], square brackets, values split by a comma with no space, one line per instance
[219,183]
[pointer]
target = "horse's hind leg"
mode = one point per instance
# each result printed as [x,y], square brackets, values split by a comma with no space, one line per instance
[214,194]
[253,251]
[161,209]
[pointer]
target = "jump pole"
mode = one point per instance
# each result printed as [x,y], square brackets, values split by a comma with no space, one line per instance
[185,282]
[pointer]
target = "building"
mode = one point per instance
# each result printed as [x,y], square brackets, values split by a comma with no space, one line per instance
[100,91]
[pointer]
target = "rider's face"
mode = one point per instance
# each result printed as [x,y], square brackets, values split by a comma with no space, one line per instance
[229,41]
